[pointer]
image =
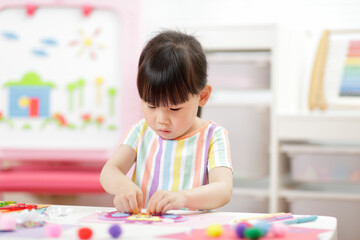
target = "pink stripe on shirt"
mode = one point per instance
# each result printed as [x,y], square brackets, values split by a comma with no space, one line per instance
[147,171]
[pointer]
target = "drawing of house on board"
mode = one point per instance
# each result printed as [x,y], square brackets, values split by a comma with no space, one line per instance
[29,97]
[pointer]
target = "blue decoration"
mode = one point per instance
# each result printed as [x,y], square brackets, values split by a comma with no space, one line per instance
[263,226]
[118,214]
[10,35]
[39,52]
[49,41]
[170,216]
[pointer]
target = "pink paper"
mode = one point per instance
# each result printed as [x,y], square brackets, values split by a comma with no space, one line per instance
[199,220]
[295,233]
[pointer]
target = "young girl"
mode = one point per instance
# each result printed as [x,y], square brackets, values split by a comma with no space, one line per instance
[180,159]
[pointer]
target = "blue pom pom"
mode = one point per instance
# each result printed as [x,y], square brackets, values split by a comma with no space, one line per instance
[263,226]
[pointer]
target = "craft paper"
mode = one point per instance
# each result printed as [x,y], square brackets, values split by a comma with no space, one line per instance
[198,220]
[295,233]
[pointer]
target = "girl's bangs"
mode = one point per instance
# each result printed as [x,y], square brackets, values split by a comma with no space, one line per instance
[162,90]
[165,84]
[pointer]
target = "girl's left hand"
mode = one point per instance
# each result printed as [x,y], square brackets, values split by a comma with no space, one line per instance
[163,201]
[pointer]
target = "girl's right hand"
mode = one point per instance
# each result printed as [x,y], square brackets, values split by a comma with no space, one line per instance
[129,200]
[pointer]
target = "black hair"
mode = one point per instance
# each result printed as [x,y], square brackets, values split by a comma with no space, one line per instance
[172,65]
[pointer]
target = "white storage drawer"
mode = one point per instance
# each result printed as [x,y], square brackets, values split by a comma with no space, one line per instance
[331,164]
[239,70]
[249,130]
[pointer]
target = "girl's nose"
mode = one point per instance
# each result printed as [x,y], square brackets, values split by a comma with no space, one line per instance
[162,117]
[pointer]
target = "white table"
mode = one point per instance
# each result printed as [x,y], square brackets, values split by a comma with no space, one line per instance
[72,215]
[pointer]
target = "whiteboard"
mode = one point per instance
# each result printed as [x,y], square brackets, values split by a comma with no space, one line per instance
[60,76]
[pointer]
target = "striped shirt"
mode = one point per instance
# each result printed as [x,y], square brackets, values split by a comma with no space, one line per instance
[178,164]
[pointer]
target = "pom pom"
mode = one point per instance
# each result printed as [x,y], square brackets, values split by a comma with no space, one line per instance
[214,230]
[252,233]
[115,231]
[53,230]
[7,223]
[263,226]
[85,233]
[279,229]
[240,228]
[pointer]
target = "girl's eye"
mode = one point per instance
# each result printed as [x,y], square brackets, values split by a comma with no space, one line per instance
[152,107]
[175,109]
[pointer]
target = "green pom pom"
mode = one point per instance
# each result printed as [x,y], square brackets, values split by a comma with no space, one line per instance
[253,233]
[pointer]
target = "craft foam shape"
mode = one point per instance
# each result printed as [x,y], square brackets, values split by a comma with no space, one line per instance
[141,218]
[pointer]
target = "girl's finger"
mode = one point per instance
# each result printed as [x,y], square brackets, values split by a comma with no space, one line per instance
[139,199]
[149,207]
[133,206]
[161,205]
[125,206]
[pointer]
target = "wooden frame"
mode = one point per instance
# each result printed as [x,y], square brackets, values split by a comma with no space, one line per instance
[335,80]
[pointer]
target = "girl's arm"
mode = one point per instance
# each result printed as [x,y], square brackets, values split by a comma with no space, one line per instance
[128,196]
[213,195]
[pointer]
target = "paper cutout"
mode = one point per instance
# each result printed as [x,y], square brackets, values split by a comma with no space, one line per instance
[141,218]
[198,219]
[7,207]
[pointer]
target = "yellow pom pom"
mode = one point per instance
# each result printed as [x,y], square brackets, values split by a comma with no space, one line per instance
[214,230]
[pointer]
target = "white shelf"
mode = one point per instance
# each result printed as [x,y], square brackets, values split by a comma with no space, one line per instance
[320,148]
[247,37]
[291,194]
[262,57]
[246,98]
[343,127]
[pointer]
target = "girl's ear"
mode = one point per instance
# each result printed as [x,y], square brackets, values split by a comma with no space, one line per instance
[205,95]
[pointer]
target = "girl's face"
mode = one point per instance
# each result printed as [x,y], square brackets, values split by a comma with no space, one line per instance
[175,121]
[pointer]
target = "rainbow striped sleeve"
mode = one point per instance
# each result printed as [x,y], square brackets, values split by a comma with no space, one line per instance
[219,149]
[132,137]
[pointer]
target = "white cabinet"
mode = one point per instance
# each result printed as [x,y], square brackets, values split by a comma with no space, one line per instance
[264,117]
[316,168]
[315,155]
[239,69]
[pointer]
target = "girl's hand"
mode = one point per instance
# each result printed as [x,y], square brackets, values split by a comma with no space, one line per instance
[129,200]
[163,201]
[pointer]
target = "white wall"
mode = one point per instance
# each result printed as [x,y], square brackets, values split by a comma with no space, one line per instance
[312,15]
[308,13]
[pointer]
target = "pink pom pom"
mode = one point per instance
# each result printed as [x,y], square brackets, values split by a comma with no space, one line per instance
[53,230]
[7,223]
[279,229]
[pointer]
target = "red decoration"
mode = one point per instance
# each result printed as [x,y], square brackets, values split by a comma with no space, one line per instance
[30,10]
[34,107]
[87,10]
[86,117]
[61,119]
